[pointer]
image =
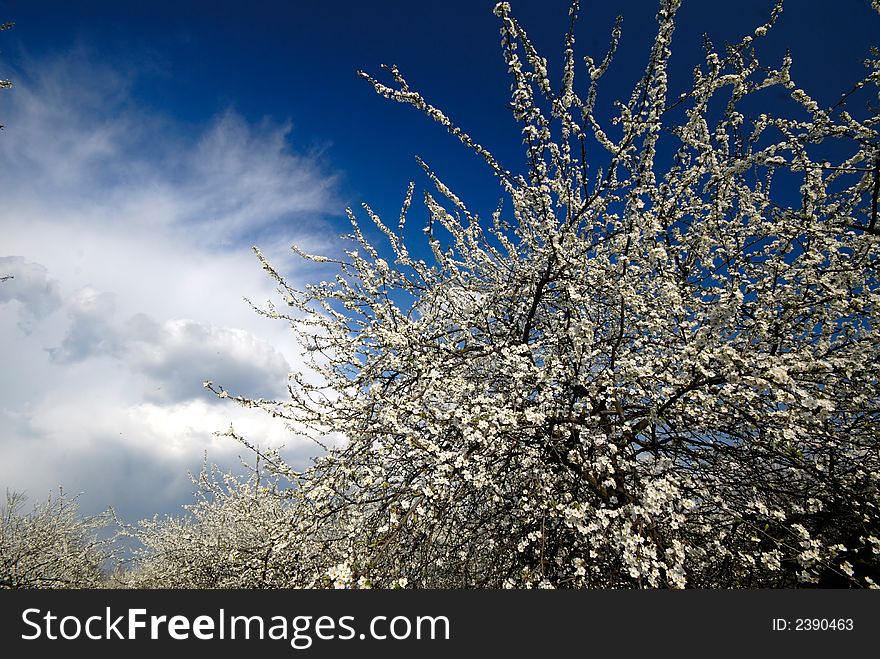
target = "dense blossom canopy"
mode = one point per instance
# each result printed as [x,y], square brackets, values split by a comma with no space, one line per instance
[50,546]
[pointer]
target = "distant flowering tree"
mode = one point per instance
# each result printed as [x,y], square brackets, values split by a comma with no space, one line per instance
[51,546]
[656,365]
[232,537]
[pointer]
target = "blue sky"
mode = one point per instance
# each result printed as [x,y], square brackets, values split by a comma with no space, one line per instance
[149,145]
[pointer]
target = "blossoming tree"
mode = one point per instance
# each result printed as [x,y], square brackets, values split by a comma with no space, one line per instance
[655,365]
[51,546]
[231,538]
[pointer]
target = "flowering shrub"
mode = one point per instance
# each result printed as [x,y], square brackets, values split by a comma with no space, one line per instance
[231,538]
[51,546]
[648,368]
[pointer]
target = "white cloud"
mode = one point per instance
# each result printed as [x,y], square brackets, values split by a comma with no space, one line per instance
[247,178]
[132,455]
[28,285]
[89,332]
[182,354]
[129,238]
